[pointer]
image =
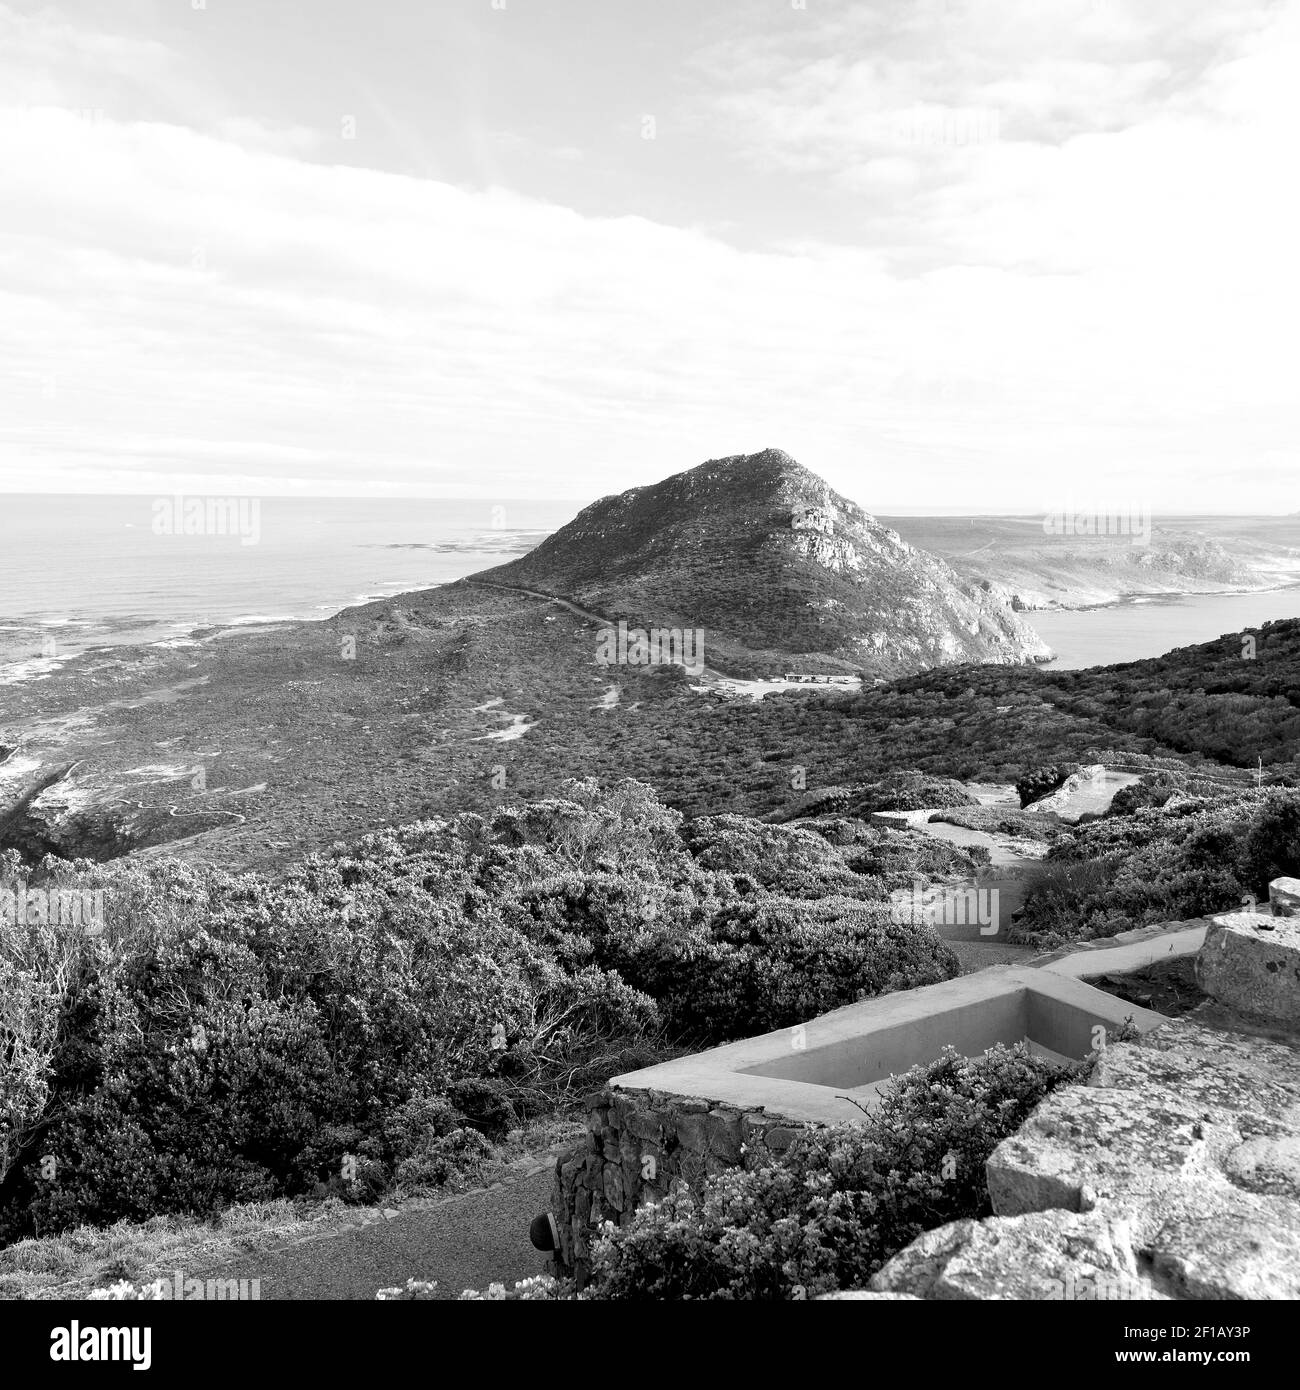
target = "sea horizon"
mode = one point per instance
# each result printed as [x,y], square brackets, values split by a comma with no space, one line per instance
[308,558]
[98,573]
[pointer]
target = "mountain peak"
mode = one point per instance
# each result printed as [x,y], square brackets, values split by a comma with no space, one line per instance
[768,466]
[779,570]
[766,460]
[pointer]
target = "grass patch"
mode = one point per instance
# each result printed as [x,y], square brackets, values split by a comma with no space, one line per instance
[74,1262]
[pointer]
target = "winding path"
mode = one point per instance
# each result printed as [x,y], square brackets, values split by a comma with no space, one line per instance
[465,1242]
[552,598]
[584,613]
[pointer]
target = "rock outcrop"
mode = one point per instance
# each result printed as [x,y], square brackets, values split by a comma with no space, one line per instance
[1173,1174]
[1251,962]
[1284,897]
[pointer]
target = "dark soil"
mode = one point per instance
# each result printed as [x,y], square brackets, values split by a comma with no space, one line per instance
[1169,987]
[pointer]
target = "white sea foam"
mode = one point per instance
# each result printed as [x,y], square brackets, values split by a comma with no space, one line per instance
[34,669]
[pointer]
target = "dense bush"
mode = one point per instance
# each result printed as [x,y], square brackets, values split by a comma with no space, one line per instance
[907,790]
[774,962]
[790,860]
[1001,820]
[1040,781]
[1190,857]
[382,1012]
[1155,789]
[454,1155]
[807,752]
[842,1200]
[896,857]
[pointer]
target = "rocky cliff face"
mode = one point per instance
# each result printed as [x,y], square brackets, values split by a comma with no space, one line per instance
[773,565]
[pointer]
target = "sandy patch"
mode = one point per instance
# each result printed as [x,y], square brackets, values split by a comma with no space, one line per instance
[517,729]
[755,690]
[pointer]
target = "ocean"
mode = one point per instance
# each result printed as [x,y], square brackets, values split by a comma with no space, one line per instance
[80,572]
[1144,627]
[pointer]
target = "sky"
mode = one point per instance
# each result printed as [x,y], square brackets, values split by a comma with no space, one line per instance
[963,255]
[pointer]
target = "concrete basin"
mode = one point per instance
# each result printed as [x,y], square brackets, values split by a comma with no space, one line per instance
[804,1073]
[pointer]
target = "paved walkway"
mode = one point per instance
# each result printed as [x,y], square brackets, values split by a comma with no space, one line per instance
[465,1242]
[1129,951]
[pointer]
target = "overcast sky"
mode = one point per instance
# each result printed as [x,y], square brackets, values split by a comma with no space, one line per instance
[975,254]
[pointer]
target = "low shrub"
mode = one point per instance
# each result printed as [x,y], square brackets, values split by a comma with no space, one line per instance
[540,1289]
[910,791]
[455,1157]
[842,1200]
[1196,855]
[999,820]
[1040,781]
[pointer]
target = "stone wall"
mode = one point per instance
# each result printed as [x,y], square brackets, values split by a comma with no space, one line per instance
[639,1145]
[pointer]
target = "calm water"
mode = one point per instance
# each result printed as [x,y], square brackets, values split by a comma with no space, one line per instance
[1131,631]
[78,572]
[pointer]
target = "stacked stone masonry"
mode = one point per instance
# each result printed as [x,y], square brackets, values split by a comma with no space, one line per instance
[638,1145]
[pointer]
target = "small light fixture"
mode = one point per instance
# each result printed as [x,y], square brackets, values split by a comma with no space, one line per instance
[544,1233]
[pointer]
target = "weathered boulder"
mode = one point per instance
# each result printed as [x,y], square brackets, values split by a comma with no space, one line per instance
[1209,1239]
[1043,1255]
[917,1268]
[1256,1082]
[1284,897]
[1084,1144]
[1267,1164]
[1251,961]
[1173,1174]
[1202,1239]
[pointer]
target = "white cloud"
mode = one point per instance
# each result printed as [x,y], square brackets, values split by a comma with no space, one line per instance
[179,303]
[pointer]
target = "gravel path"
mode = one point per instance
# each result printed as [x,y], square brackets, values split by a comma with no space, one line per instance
[979,955]
[465,1242]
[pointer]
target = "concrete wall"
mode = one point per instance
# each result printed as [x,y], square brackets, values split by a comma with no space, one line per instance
[801,1072]
[880,1052]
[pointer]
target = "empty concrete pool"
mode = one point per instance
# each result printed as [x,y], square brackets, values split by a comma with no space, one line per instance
[806,1072]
